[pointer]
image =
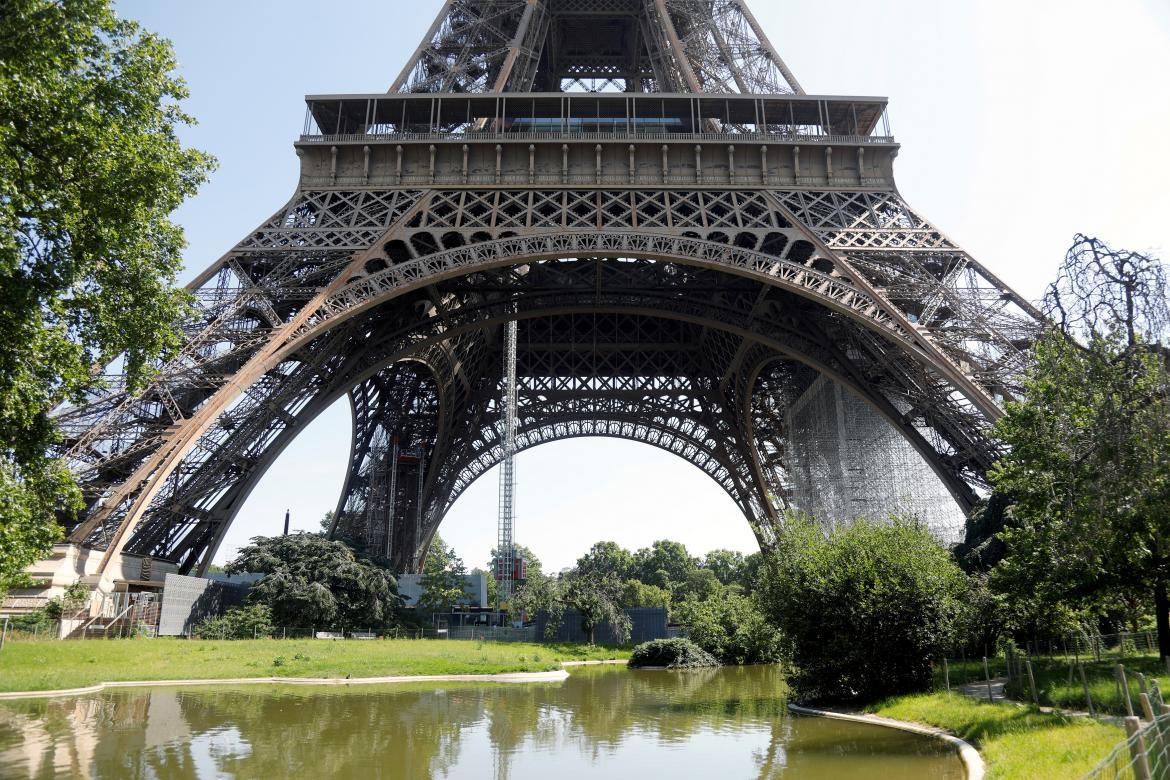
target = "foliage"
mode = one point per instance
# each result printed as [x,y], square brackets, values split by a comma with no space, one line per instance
[726,565]
[732,628]
[865,610]
[635,594]
[314,582]
[247,622]
[597,600]
[1015,743]
[606,559]
[74,598]
[1087,463]
[442,581]
[665,563]
[675,653]
[90,169]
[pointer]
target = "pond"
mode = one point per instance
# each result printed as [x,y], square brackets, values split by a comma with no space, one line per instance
[600,722]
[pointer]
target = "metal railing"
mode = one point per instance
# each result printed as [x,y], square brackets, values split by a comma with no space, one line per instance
[583,135]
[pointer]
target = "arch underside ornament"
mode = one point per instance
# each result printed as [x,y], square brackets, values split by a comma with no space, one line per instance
[687,319]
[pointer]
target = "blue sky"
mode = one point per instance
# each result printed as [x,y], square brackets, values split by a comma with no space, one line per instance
[1022,123]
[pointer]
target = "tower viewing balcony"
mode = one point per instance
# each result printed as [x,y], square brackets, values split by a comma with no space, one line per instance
[596,138]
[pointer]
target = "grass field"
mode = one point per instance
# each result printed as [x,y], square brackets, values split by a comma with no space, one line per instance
[1015,742]
[48,665]
[1053,687]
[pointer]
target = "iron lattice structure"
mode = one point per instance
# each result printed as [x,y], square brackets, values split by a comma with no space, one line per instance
[691,253]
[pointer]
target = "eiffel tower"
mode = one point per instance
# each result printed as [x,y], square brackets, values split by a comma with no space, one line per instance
[698,255]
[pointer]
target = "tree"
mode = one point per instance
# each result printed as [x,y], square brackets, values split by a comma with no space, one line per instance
[606,559]
[596,599]
[251,621]
[443,581]
[726,565]
[314,582]
[636,593]
[666,564]
[865,610]
[90,169]
[730,627]
[1088,462]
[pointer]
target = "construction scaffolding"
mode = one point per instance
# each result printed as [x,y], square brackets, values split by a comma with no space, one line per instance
[846,461]
[505,551]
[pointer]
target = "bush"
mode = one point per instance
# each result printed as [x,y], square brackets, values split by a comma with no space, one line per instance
[866,610]
[250,622]
[671,653]
[732,628]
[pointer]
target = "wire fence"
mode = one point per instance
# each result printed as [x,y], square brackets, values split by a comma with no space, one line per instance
[1145,752]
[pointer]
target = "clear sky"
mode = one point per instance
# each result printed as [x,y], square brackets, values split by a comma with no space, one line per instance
[1022,122]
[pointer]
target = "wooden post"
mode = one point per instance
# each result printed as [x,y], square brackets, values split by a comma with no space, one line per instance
[1137,748]
[1032,683]
[1085,685]
[1147,708]
[987,675]
[1124,683]
[946,675]
[4,633]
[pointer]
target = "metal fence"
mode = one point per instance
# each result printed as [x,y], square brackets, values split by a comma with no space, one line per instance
[1144,754]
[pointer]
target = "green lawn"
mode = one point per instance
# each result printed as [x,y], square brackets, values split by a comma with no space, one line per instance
[48,665]
[1053,688]
[1015,742]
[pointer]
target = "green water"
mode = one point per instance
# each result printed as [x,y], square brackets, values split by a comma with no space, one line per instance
[601,722]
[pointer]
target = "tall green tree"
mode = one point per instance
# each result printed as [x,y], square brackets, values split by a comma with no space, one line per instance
[1089,449]
[311,582]
[865,609]
[443,580]
[606,559]
[90,169]
[665,563]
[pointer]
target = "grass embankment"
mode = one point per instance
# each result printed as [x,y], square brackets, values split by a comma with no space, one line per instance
[1015,742]
[1053,685]
[49,665]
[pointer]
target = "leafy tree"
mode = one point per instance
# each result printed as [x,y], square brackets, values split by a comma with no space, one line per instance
[248,622]
[666,564]
[443,574]
[1088,463]
[726,565]
[596,599]
[606,559]
[90,169]
[314,582]
[636,593]
[865,610]
[731,627]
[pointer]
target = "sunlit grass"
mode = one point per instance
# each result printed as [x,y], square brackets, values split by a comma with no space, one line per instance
[49,665]
[1015,741]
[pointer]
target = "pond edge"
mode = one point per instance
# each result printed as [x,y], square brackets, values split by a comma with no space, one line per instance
[973,766]
[506,677]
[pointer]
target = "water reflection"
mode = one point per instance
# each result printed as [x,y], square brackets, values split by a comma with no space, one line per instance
[711,723]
